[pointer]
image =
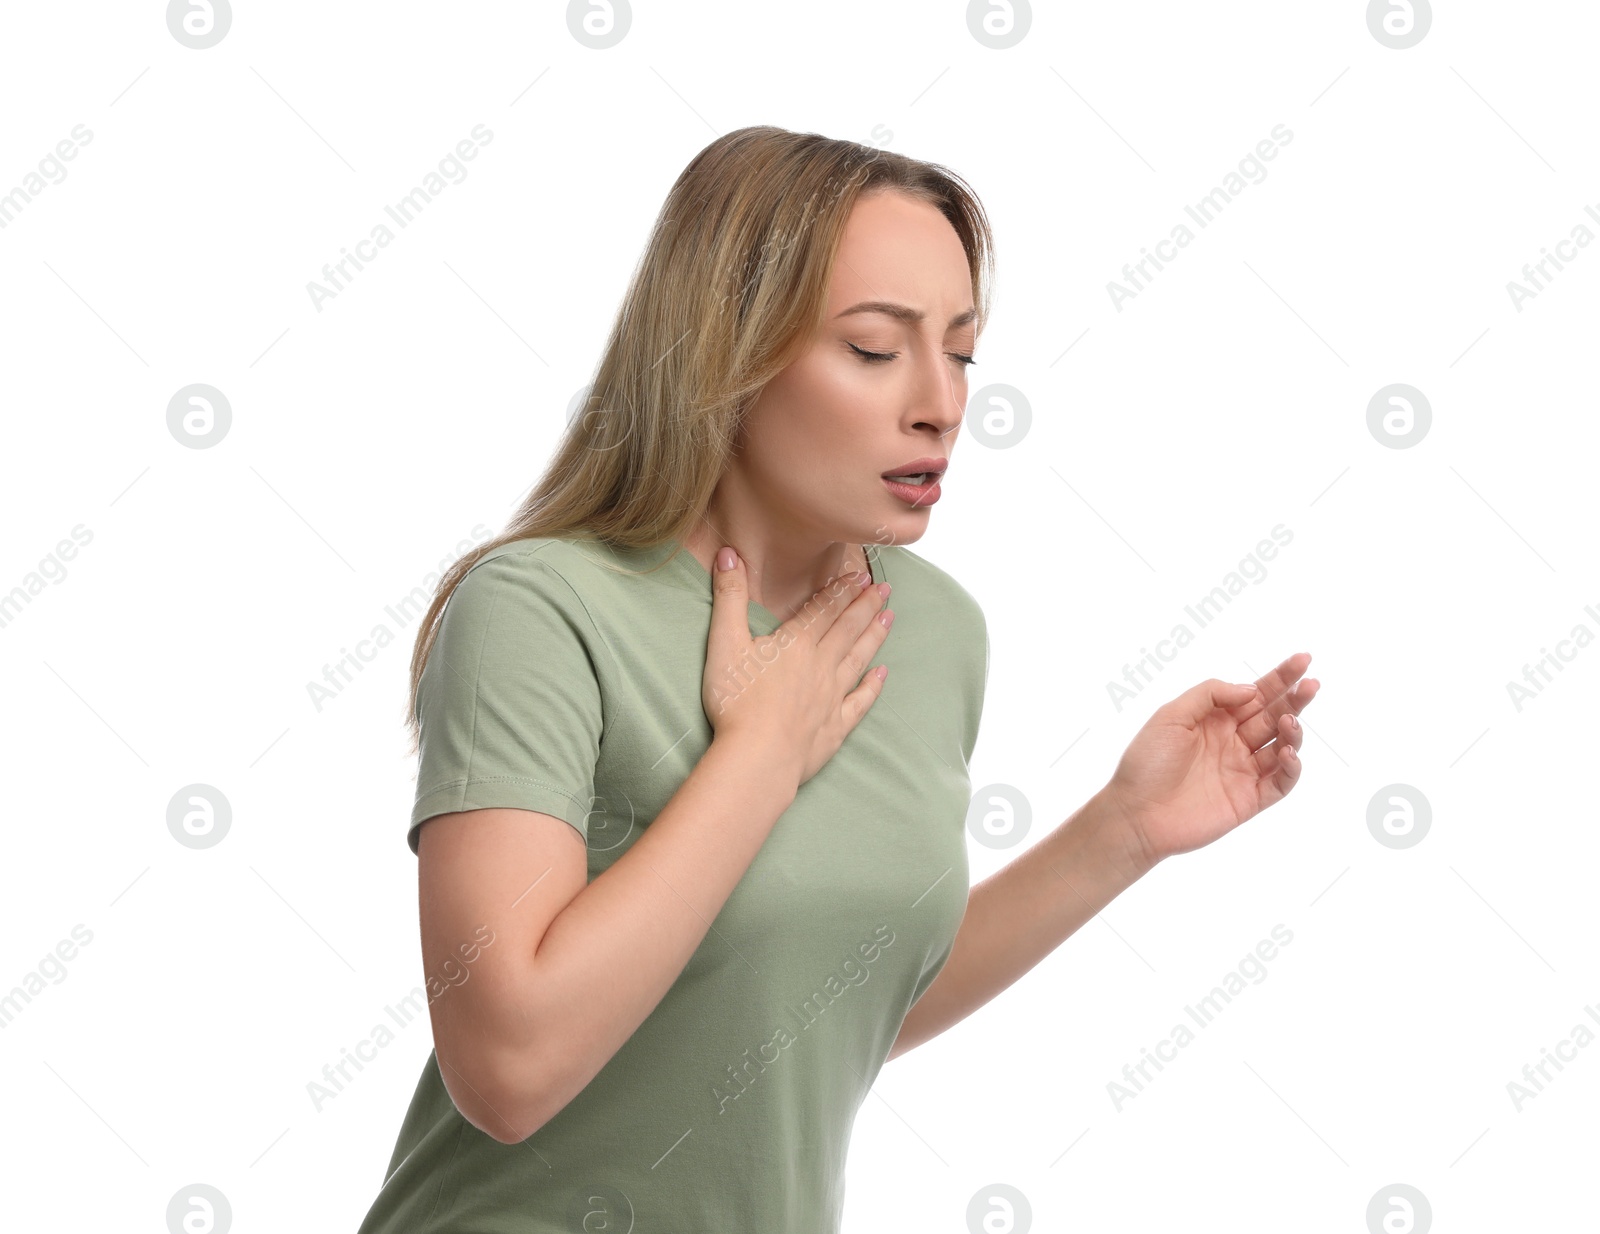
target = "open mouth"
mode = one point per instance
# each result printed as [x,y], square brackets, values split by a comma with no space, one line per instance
[920,490]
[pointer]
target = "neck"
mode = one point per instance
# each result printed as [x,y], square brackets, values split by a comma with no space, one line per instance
[784,569]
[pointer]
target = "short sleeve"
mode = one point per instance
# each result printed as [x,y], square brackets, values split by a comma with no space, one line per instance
[978,682]
[509,702]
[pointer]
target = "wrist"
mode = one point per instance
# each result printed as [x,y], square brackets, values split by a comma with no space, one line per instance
[755,756]
[1124,840]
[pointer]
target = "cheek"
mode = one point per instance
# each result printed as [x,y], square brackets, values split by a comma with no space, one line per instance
[798,457]
[815,422]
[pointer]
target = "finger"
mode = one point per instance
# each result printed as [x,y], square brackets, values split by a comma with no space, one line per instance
[1262,727]
[1258,724]
[1196,703]
[1274,786]
[1291,733]
[854,659]
[817,616]
[843,636]
[859,701]
[1281,678]
[730,602]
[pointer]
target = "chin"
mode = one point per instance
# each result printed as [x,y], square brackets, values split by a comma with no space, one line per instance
[908,528]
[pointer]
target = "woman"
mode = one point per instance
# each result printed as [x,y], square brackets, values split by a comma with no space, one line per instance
[690,873]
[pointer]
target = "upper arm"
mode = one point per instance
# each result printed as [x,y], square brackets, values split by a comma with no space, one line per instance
[510,713]
[509,703]
[490,882]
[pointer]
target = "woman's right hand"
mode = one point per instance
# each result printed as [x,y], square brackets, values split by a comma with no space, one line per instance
[793,692]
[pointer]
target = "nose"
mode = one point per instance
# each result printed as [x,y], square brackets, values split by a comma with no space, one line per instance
[941,395]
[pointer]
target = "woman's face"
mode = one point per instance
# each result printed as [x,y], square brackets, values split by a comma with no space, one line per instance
[825,432]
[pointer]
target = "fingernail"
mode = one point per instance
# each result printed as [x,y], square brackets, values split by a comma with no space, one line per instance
[726,558]
[862,579]
[1293,723]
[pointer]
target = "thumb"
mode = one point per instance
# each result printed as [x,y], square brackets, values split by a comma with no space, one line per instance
[730,597]
[1199,702]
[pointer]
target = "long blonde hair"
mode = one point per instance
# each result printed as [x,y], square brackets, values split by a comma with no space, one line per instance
[731,288]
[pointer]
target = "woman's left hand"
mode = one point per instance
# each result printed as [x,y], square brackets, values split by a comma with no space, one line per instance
[1208,760]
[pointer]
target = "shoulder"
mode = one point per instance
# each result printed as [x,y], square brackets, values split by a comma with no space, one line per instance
[957,633]
[522,581]
[958,625]
[556,564]
[903,567]
[512,616]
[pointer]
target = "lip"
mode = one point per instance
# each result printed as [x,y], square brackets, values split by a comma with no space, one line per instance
[913,496]
[919,465]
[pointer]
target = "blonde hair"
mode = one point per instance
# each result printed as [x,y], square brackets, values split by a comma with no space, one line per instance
[730,290]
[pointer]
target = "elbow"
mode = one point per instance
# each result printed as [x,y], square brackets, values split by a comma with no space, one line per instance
[505,1110]
[506,1133]
[509,1089]
[509,1063]
[499,1094]
[502,1122]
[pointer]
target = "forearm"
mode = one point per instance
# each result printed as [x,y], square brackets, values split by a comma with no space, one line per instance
[1024,911]
[640,921]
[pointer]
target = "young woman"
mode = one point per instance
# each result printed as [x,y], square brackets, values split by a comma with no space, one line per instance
[690,817]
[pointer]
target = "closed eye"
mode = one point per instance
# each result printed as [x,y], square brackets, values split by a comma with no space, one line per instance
[880,357]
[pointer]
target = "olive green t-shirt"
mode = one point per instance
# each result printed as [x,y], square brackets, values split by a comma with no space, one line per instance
[564,679]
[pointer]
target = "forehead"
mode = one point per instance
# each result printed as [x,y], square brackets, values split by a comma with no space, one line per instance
[899,248]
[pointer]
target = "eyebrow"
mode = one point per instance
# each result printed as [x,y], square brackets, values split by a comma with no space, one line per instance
[905,313]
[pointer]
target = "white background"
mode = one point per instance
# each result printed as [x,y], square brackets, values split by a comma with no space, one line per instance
[1167,438]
